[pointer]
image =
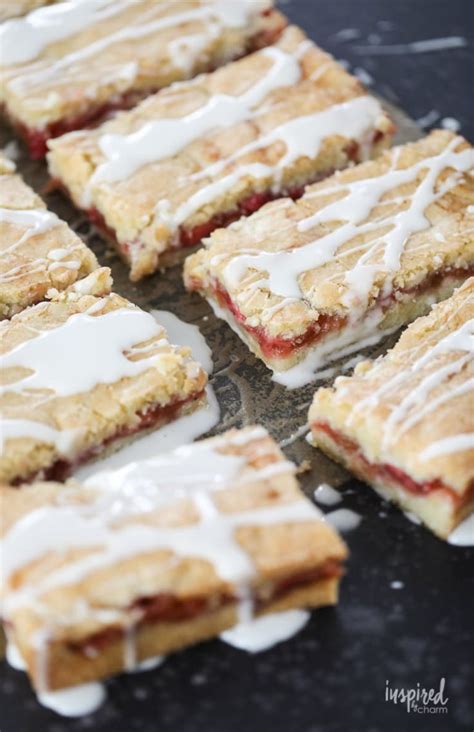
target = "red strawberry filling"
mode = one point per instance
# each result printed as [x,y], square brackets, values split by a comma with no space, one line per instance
[166,607]
[388,473]
[280,347]
[155,416]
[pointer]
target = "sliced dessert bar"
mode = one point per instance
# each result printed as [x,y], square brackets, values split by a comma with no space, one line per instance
[201,154]
[38,252]
[361,253]
[405,422]
[65,66]
[158,556]
[81,373]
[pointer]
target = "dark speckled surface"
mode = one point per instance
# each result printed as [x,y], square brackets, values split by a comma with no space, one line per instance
[331,677]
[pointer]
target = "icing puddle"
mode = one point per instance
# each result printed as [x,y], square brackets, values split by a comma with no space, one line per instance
[262,633]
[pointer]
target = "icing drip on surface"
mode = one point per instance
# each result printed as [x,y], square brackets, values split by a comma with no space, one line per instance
[327,495]
[181,431]
[185,334]
[343,519]
[76,701]
[14,657]
[463,535]
[262,633]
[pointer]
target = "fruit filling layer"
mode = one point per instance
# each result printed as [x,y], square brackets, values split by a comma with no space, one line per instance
[280,347]
[384,471]
[166,607]
[153,417]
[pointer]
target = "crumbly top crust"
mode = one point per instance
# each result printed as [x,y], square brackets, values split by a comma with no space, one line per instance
[241,521]
[106,361]
[109,49]
[215,170]
[413,408]
[38,251]
[370,230]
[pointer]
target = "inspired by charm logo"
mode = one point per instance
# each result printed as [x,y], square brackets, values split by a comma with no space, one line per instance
[419,699]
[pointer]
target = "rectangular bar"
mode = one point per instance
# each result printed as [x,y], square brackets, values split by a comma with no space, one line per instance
[199,155]
[159,555]
[360,254]
[405,422]
[66,66]
[39,253]
[83,373]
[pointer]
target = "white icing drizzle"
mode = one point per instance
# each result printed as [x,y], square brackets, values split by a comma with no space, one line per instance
[165,137]
[35,221]
[24,39]
[262,633]
[448,445]
[51,356]
[423,374]
[76,701]
[302,137]
[282,269]
[327,495]
[181,431]
[218,13]
[67,525]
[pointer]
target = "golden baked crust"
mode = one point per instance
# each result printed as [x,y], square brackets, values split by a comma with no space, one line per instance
[354,269]
[218,174]
[15,8]
[39,253]
[117,398]
[412,410]
[122,49]
[188,551]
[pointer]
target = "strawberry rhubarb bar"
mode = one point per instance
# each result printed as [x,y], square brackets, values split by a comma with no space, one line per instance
[201,154]
[405,422]
[39,253]
[361,253]
[153,559]
[81,374]
[65,66]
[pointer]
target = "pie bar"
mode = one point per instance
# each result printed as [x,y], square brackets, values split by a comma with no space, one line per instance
[201,154]
[38,252]
[83,373]
[159,555]
[14,8]
[65,66]
[405,422]
[361,253]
